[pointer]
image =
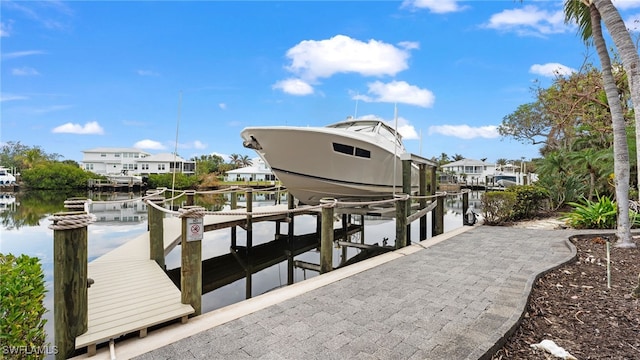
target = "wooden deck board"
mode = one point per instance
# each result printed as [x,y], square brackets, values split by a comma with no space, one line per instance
[131,293]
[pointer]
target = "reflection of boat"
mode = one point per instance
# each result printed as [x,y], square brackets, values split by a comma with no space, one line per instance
[352,159]
[6,178]
[7,201]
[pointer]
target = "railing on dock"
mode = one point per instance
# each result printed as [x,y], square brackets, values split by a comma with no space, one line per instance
[85,317]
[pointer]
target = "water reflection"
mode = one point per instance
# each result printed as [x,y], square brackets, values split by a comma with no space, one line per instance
[122,216]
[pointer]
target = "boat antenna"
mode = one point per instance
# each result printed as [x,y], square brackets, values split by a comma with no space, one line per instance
[395,147]
[175,149]
[355,113]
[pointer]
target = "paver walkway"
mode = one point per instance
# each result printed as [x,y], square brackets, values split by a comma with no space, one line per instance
[455,299]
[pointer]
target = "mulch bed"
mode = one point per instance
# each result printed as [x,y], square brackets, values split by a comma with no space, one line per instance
[574,307]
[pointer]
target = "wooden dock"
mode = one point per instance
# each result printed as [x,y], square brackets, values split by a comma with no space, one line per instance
[132,293]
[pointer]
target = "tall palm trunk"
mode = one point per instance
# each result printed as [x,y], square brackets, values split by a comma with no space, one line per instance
[620,147]
[630,58]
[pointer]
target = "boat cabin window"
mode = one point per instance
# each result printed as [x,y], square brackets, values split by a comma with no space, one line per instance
[341,148]
[390,135]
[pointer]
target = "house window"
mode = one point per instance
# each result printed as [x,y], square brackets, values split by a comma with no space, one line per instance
[161,166]
[144,166]
[88,166]
[116,155]
[103,155]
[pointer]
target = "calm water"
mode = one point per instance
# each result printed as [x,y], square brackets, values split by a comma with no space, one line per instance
[25,221]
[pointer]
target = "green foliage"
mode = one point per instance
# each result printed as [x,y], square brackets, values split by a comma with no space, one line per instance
[22,294]
[56,175]
[588,214]
[530,199]
[497,206]
[166,180]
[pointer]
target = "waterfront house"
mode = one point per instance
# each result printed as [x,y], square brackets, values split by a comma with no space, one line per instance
[468,171]
[258,171]
[130,161]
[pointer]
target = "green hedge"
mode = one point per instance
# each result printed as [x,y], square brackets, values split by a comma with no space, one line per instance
[530,200]
[22,294]
[497,206]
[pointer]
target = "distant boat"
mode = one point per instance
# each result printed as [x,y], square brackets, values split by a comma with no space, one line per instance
[352,159]
[6,178]
[505,180]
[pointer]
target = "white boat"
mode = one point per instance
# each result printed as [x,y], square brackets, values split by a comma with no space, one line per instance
[505,180]
[6,178]
[352,159]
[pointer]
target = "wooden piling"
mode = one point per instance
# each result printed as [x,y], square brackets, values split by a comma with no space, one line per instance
[156,231]
[191,267]
[70,285]
[422,182]
[401,223]
[438,224]
[290,263]
[433,186]
[406,188]
[234,230]
[326,240]
[190,197]
[249,230]
[465,207]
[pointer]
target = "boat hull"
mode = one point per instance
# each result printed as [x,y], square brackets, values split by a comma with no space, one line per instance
[316,163]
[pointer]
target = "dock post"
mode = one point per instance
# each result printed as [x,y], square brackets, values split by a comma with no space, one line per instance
[326,239]
[406,188]
[70,279]
[401,223]
[191,266]
[190,197]
[234,230]
[438,224]
[290,268]
[433,186]
[423,200]
[465,206]
[156,230]
[249,230]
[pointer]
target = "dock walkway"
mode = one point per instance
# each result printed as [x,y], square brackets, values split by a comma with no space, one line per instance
[132,293]
[454,296]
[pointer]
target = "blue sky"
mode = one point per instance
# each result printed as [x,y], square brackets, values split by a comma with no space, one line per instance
[83,74]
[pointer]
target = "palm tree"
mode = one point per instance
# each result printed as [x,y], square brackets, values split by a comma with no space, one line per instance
[628,54]
[245,161]
[235,159]
[587,16]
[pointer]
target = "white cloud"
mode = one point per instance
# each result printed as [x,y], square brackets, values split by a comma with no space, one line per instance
[5,29]
[311,59]
[626,4]
[90,128]
[196,144]
[147,73]
[19,54]
[24,71]
[435,6]
[529,20]
[222,106]
[199,144]
[405,128]
[398,92]
[11,97]
[465,131]
[551,69]
[149,144]
[633,23]
[294,87]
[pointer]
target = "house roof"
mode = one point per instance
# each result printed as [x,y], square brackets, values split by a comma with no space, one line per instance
[250,170]
[466,162]
[115,150]
[164,157]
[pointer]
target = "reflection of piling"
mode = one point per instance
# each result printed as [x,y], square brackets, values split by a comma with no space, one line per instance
[290,263]
[249,233]
[423,200]
[70,279]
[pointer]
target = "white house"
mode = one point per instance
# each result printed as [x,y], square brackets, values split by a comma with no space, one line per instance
[258,171]
[468,170]
[117,161]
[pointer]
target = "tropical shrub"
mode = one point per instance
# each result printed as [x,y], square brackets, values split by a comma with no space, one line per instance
[497,206]
[599,214]
[182,181]
[22,294]
[56,176]
[530,200]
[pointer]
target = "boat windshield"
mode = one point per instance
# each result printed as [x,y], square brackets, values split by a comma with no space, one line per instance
[372,126]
